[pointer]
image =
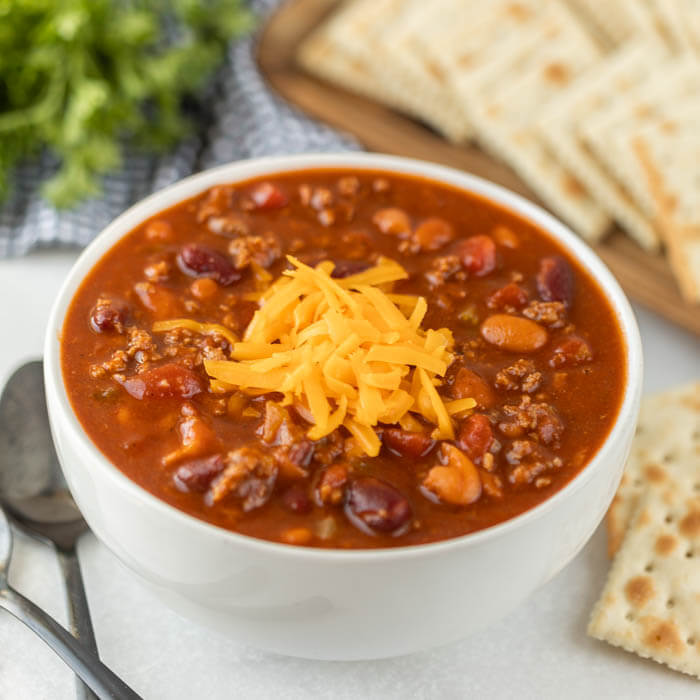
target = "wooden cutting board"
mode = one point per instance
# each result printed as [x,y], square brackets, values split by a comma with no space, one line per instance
[645,277]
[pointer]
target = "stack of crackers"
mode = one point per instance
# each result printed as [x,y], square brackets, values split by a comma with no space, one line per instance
[594,103]
[651,602]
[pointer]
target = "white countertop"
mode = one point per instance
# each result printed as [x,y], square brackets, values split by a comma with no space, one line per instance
[539,651]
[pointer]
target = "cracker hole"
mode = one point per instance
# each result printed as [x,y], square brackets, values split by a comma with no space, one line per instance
[690,641]
[696,487]
[668,457]
[649,568]
[637,482]
[689,554]
[668,519]
[670,603]
[629,617]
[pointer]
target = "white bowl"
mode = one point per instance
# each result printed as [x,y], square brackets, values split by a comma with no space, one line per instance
[326,604]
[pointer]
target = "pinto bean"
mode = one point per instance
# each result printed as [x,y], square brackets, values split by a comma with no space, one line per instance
[469,385]
[513,333]
[164,382]
[407,443]
[505,237]
[297,536]
[456,480]
[477,255]
[108,315]
[555,280]
[296,499]
[393,221]
[433,233]
[374,506]
[198,260]
[475,436]
[197,474]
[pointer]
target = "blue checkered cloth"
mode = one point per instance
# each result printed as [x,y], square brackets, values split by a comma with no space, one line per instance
[247,120]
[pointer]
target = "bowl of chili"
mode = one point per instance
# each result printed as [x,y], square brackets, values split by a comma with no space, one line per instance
[342,406]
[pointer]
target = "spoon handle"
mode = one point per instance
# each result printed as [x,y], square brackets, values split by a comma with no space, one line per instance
[78,611]
[105,684]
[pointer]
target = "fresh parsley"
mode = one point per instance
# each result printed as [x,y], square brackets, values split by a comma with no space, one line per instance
[82,78]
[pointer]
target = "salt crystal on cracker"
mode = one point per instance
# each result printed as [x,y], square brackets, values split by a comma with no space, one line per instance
[666,447]
[651,602]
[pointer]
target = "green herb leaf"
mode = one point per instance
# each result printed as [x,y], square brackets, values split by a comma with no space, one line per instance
[83,78]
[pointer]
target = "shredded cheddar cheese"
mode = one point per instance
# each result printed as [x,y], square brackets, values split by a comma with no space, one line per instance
[347,350]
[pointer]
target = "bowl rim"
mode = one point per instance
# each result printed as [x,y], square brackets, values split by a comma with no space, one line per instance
[241,171]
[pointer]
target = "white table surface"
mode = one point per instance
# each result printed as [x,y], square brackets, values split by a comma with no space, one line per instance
[539,651]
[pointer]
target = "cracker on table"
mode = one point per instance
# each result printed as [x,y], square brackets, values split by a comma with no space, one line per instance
[505,98]
[600,88]
[666,447]
[651,601]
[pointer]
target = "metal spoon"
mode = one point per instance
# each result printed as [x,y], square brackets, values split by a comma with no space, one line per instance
[84,662]
[34,492]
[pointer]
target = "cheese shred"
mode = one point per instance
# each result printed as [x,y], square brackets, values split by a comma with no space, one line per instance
[348,351]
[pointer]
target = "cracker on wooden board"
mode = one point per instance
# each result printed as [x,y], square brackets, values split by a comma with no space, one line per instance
[402,66]
[455,49]
[650,604]
[666,447]
[359,48]
[668,159]
[672,18]
[615,22]
[652,101]
[601,87]
[510,92]
[340,49]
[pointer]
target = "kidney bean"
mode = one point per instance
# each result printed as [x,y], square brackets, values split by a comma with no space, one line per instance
[475,436]
[345,268]
[456,480]
[164,382]
[200,261]
[393,221]
[406,443]
[555,280]
[469,385]
[512,295]
[477,255]
[433,233]
[513,333]
[331,485]
[267,196]
[198,474]
[296,499]
[108,315]
[377,507]
[570,351]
